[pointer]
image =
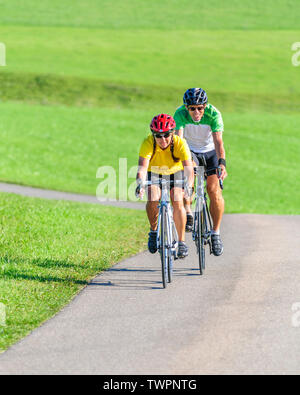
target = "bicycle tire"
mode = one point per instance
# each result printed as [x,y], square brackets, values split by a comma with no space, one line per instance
[203,232]
[170,268]
[170,252]
[163,248]
[199,239]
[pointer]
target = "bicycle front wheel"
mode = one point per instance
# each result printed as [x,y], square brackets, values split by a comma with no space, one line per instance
[163,247]
[173,241]
[203,235]
[199,239]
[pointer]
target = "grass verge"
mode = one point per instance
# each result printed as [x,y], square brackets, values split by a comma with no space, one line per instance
[50,250]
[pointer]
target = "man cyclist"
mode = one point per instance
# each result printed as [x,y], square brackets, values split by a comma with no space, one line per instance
[165,155]
[201,124]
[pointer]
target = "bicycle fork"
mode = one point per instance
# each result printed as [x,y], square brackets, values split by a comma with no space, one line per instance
[207,233]
[172,234]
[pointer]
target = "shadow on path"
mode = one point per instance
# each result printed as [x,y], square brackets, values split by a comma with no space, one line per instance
[148,283]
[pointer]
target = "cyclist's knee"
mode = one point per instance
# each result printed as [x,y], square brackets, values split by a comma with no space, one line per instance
[213,187]
[153,193]
[215,195]
[176,196]
[178,205]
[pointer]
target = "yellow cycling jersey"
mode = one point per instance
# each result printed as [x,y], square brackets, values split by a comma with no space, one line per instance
[162,161]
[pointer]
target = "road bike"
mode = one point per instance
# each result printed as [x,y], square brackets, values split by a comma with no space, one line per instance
[202,227]
[167,237]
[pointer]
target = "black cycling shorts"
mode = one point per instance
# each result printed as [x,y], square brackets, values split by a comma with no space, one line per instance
[211,161]
[179,175]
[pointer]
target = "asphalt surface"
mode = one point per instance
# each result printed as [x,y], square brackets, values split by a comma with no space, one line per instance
[236,319]
[58,195]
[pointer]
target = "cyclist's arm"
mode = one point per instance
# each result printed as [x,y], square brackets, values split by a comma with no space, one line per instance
[142,169]
[189,171]
[179,132]
[220,150]
[219,145]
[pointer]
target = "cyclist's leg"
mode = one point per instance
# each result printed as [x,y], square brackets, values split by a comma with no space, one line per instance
[179,215]
[214,191]
[188,202]
[217,204]
[188,205]
[153,194]
[216,207]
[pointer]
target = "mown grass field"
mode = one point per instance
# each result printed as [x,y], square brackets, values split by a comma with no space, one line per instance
[94,87]
[226,62]
[160,14]
[82,82]
[45,148]
[236,58]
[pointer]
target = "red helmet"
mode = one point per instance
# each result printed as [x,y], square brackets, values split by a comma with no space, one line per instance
[162,123]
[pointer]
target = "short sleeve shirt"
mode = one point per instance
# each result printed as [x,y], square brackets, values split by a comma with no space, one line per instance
[199,134]
[162,161]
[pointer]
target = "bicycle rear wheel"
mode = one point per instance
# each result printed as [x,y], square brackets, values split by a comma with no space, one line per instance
[163,247]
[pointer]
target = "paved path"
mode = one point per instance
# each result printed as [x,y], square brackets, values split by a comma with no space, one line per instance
[57,195]
[236,319]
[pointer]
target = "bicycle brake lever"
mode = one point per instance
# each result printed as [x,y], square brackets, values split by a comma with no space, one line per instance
[220,181]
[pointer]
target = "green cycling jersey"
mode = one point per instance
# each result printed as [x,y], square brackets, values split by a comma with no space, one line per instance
[199,134]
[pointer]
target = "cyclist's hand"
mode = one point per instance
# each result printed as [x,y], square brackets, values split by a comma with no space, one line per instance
[139,192]
[222,173]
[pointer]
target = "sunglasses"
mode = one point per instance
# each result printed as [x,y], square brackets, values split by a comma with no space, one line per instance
[196,108]
[161,135]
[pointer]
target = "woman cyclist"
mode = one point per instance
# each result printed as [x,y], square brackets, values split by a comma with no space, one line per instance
[165,155]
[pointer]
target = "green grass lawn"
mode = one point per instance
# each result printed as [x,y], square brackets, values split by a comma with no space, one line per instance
[49,250]
[239,62]
[93,85]
[62,148]
[159,14]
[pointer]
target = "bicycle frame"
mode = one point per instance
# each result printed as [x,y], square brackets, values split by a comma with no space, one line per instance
[166,245]
[171,229]
[200,191]
[202,219]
